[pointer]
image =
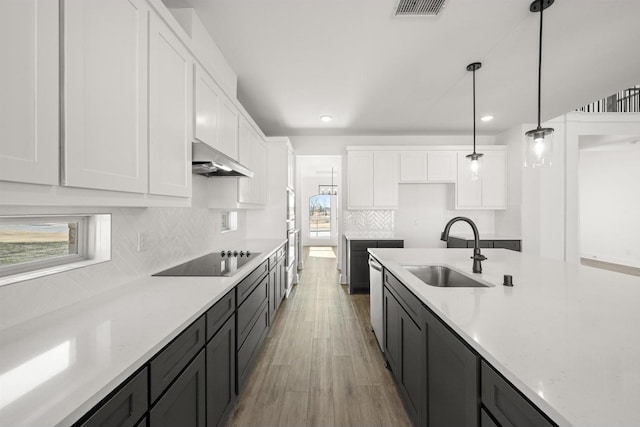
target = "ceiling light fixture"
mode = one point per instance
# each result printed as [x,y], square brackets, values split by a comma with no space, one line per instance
[539,140]
[326,118]
[486,118]
[331,190]
[474,157]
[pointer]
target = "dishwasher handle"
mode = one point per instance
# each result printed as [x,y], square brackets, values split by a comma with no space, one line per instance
[374,264]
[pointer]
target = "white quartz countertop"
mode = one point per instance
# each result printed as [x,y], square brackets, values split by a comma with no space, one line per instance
[487,236]
[372,235]
[55,368]
[566,335]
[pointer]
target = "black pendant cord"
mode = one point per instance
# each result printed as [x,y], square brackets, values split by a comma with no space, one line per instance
[474,111]
[540,68]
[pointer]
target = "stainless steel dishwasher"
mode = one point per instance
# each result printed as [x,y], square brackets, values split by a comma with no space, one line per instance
[375,298]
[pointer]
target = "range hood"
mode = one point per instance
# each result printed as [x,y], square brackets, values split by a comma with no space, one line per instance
[209,162]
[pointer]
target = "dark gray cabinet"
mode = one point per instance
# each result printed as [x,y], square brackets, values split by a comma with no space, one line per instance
[277,281]
[125,407]
[183,404]
[358,261]
[404,351]
[452,377]
[507,405]
[221,373]
[455,242]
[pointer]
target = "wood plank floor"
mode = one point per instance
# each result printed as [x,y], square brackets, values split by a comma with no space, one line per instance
[320,364]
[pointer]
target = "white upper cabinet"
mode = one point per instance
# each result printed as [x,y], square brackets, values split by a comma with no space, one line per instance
[206,114]
[252,154]
[105,93]
[413,166]
[170,112]
[244,157]
[216,118]
[487,192]
[442,166]
[372,179]
[29,84]
[228,128]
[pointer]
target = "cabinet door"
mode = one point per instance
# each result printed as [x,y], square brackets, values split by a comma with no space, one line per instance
[413,166]
[411,378]
[29,84]
[184,403]
[494,180]
[385,179]
[221,373]
[452,372]
[206,103]
[468,192]
[170,112]
[391,313]
[442,166]
[359,271]
[245,158]
[360,179]
[259,165]
[105,90]
[228,128]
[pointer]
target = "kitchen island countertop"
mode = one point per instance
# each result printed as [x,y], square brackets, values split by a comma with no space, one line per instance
[55,368]
[566,335]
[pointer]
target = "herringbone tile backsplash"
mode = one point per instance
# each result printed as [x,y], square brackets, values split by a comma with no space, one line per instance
[368,221]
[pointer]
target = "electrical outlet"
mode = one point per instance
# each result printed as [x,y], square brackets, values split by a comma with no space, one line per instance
[143,242]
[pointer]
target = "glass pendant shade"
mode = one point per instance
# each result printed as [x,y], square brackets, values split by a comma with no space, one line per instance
[539,148]
[474,166]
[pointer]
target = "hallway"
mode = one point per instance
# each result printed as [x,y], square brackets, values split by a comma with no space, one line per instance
[320,364]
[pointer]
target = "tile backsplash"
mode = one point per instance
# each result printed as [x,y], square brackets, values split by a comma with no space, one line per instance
[368,221]
[173,235]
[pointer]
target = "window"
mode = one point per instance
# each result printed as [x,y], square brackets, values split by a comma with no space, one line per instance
[320,216]
[229,221]
[35,246]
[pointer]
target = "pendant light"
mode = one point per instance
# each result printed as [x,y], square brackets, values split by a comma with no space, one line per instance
[331,190]
[474,164]
[539,140]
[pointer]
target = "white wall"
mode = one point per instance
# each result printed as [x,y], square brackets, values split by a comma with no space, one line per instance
[174,235]
[610,204]
[423,211]
[336,145]
[549,212]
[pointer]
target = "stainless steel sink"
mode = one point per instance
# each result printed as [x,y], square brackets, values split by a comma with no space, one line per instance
[442,276]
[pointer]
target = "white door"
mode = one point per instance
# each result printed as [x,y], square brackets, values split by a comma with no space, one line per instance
[29,84]
[105,89]
[170,112]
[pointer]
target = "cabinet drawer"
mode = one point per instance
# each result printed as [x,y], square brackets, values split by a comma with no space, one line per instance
[166,366]
[245,287]
[409,302]
[506,404]
[249,310]
[514,245]
[363,245]
[219,313]
[249,349]
[126,407]
[391,243]
[184,402]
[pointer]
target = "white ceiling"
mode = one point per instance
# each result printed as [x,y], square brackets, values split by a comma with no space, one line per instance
[381,75]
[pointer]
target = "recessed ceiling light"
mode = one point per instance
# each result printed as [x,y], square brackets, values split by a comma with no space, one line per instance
[326,118]
[486,118]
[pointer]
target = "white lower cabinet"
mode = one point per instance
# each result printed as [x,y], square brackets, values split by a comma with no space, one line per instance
[105,94]
[487,192]
[170,112]
[372,179]
[29,84]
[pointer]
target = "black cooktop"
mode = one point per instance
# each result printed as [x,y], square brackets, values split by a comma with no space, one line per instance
[224,263]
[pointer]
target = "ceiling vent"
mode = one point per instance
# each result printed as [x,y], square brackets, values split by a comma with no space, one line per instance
[419,7]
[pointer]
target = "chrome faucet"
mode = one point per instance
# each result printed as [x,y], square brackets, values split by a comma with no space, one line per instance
[477,256]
